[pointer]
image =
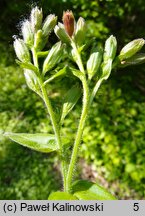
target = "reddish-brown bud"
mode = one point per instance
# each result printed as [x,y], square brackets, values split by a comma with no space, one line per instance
[68,21]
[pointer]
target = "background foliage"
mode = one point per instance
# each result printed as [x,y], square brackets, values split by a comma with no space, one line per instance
[113,148]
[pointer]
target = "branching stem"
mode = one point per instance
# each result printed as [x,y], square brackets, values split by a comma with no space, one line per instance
[54,122]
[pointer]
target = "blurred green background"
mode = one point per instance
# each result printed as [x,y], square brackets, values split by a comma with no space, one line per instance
[113,148]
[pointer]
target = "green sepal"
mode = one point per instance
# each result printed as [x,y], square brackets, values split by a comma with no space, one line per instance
[93,63]
[29,66]
[70,100]
[40,142]
[61,196]
[54,56]
[61,33]
[85,190]
[80,32]
[110,48]
[106,69]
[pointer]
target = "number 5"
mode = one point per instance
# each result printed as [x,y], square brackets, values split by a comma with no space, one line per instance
[136,206]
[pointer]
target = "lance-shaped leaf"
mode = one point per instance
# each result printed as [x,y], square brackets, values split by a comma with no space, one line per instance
[28,66]
[39,142]
[77,73]
[32,81]
[59,73]
[85,190]
[70,100]
[61,196]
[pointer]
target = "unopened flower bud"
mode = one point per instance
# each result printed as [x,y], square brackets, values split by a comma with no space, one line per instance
[54,56]
[138,58]
[27,33]
[36,19]
[32,81]
[61,33]
[68,21]
[80,31]
[106,69]
[110,48]
[93,63]
[131,48]
[40,40]
[49,24]
[21,50]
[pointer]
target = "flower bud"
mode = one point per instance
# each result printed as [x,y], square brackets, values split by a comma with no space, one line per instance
[40,40]
[138,58]
[93,64]
[106,69]
[32,81]
[49,24]
[80,31]
[131,48]
[27,33]
[61,33]
[110,48]
[68,21]
[21,50]
[54,56]
[36,19]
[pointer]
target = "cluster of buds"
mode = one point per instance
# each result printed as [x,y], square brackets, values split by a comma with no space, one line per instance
[35,33]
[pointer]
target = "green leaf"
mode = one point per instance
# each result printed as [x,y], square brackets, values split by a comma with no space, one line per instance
[61,196]
[42,54]
[32,81]
[77,73]
[60,73]
[27,66]
[39,142]
[70,100]
[85,190]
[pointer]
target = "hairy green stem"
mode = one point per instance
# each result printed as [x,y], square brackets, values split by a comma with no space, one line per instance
[56,131]
[78,136]
[35,57]
[52,118]
[77,57]
[81,122]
